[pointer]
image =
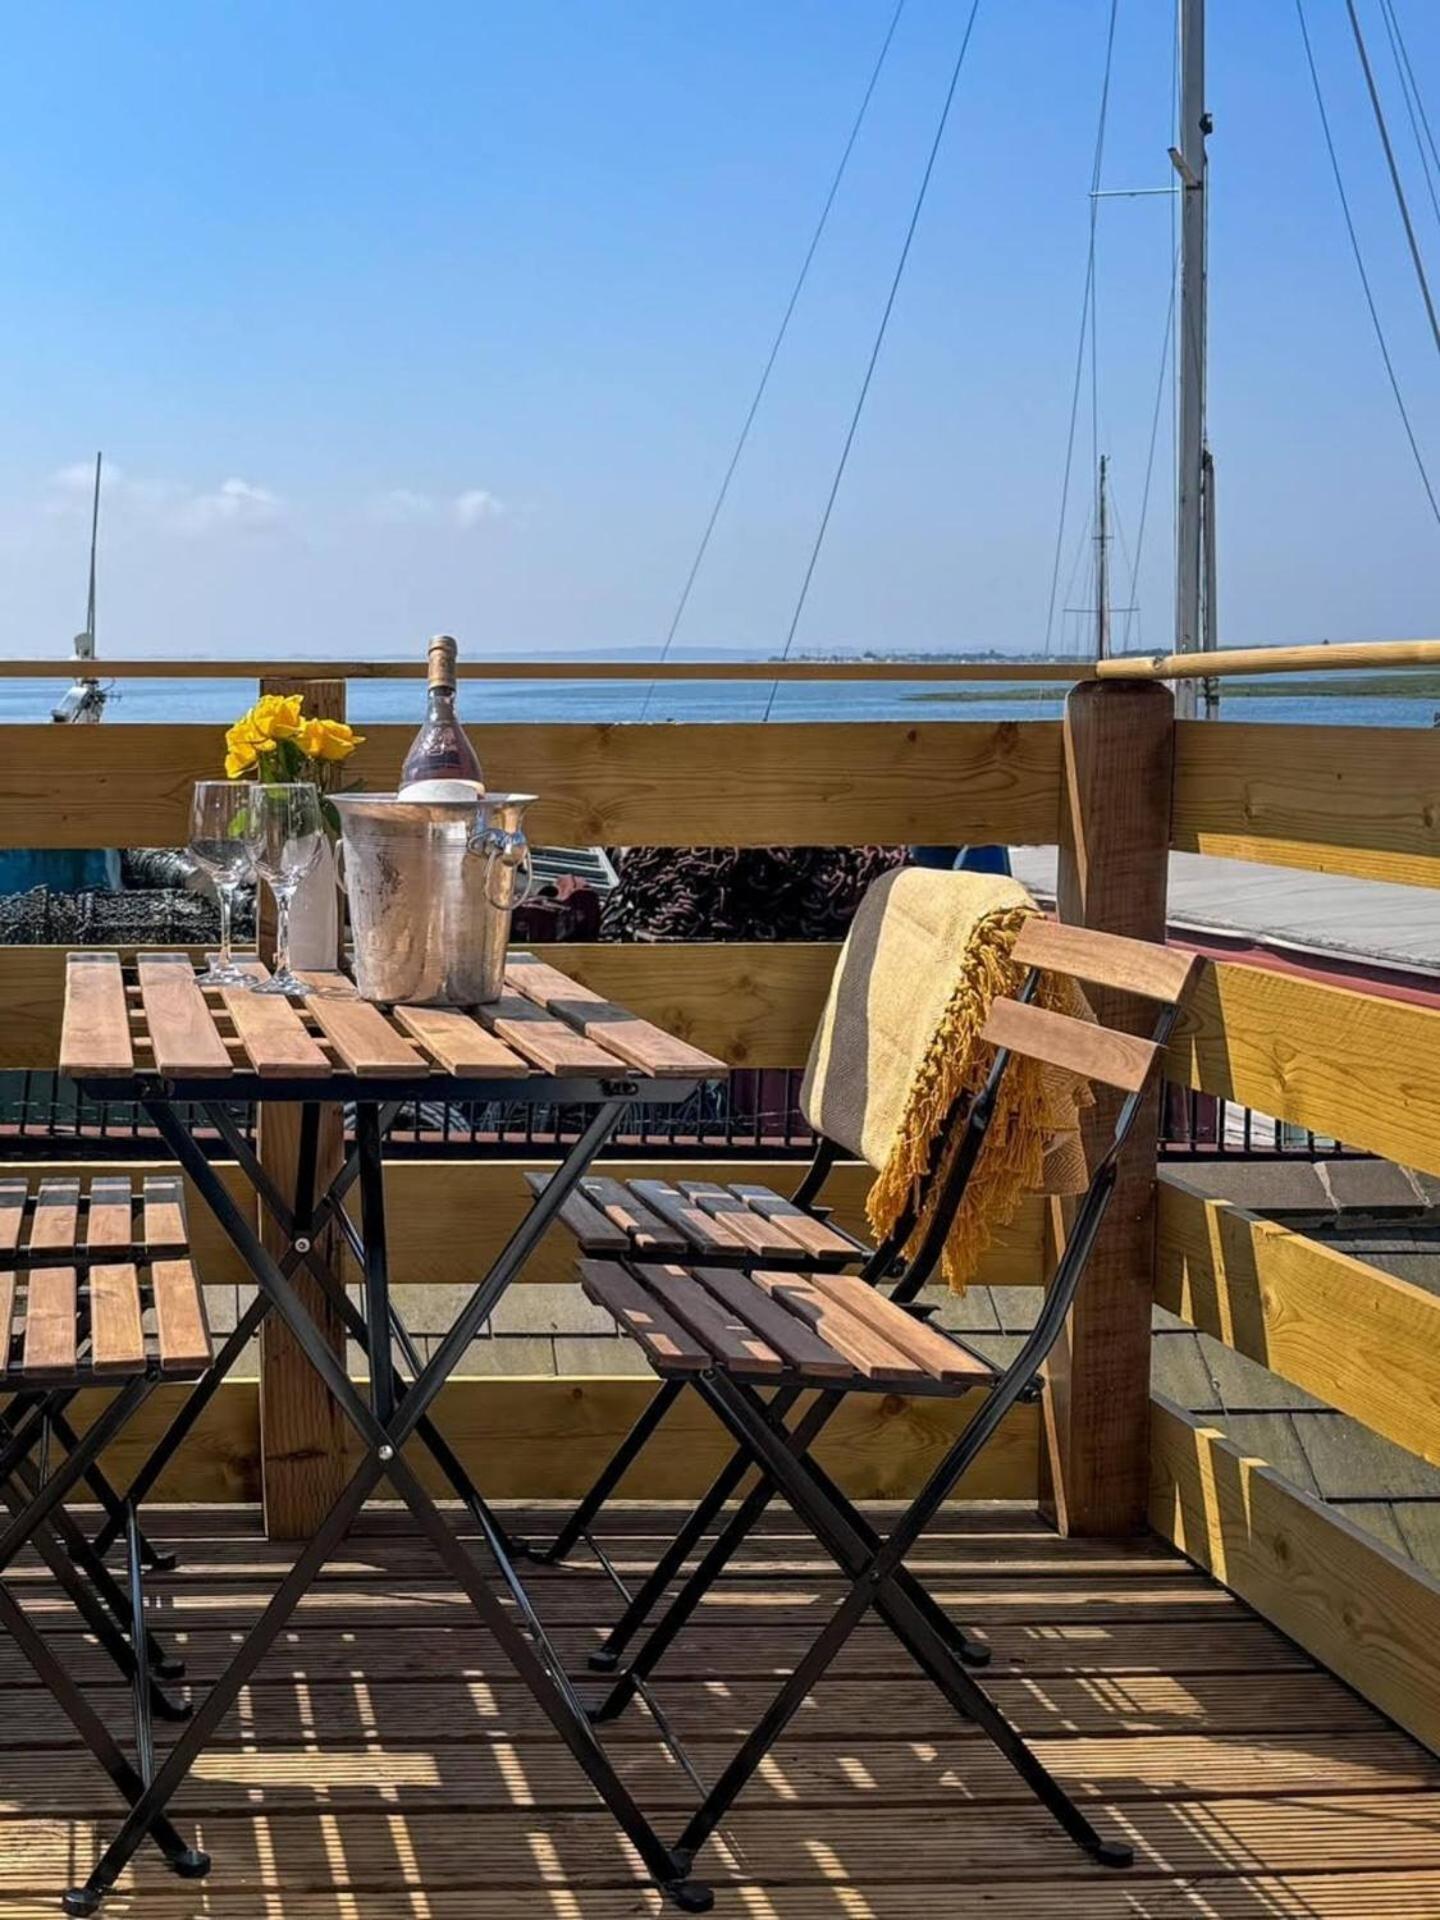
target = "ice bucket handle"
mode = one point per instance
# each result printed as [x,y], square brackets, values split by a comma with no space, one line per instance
[509,848]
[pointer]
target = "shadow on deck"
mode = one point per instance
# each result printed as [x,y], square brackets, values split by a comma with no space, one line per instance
[384,1762]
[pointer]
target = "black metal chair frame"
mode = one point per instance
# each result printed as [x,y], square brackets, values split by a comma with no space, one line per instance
[874,1565]
[885,1262]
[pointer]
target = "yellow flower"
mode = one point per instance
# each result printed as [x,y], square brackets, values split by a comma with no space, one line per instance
[276,716]
[243,747]
[328,739]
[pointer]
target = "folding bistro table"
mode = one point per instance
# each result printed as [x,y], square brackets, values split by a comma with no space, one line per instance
[151,1035]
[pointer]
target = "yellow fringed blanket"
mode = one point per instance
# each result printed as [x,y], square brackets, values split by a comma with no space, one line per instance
[898,1042]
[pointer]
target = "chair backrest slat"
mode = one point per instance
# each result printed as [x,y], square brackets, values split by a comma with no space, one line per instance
[1106,959]
[1095,1053]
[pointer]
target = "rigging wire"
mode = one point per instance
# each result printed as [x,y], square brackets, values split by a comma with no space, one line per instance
[1414,107]
[1087,313]
[880,333]
[779,339]
[1133,605]
[1395,179]
[1360,266]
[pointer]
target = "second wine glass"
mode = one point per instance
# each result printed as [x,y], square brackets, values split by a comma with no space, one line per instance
[285,833]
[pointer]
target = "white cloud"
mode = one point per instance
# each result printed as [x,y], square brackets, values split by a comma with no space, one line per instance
[475,505]
[234,503]
[165,505]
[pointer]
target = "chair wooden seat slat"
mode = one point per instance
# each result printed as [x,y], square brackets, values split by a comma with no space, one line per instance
[733,1341]
[873,1354]
[52,1302]
[669,1346]
[816,1237]
[703,1232]
[941,1357]
[646,1232]
[117,1332]
[764,1237]
[181,1326]
[86,1281]
[799,1345]
[593,1232]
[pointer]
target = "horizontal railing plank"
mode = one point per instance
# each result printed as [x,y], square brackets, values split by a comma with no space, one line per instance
[1359,1067]
[827,784]
[449,1218]
[1360,1340]
[1356,800]
[539,1438]
[1366,1613]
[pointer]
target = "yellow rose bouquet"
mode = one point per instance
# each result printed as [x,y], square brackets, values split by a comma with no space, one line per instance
[276,743]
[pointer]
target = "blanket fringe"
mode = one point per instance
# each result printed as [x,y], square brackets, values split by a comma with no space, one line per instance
[1036,1103]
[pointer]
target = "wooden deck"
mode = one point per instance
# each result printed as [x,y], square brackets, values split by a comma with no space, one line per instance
[384,1763]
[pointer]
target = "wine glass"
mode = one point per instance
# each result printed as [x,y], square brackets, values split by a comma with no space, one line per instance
[219,820]
[286,830]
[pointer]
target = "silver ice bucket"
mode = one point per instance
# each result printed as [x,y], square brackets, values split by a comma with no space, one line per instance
[431,886]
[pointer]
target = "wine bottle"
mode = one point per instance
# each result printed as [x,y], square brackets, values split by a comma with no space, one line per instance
[440,752]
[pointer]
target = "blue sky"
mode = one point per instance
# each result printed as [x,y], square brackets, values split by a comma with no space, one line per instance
[394,319]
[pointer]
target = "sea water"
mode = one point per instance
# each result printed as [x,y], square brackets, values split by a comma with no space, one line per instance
[499,702]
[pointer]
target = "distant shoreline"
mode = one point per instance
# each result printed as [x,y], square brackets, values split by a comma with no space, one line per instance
[1393,686]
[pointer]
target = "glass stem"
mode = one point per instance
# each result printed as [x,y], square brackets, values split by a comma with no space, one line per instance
[283,898]
[226,895]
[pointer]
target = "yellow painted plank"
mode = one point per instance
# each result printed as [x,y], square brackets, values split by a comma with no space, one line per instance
[1346,1332]
[1362,1068]
[827,784]
[541,1437]
[1356,800]
[1369,1615]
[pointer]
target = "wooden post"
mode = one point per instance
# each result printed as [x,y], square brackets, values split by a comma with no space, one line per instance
[1114,850]
[302,1431]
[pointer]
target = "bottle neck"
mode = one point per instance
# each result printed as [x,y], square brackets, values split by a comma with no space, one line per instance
[440,704]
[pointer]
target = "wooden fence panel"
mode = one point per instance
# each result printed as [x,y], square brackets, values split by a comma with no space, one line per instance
[1366,1613]
[1355,1337]
[540,1438]
[1356,800]
[1363,1069]
[828,784]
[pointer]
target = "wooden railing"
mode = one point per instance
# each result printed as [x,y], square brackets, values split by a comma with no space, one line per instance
[1115,786]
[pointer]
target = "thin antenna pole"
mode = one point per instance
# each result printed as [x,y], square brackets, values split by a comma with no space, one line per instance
[1190,163]
[86,651]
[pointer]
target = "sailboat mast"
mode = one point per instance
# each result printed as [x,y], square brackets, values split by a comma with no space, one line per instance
[1190,163]
[1102,567]
[85,642]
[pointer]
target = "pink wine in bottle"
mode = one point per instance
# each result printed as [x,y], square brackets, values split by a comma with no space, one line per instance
[440,752]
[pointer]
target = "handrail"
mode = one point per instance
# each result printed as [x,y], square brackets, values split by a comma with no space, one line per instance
[1377,656]
[1359,656]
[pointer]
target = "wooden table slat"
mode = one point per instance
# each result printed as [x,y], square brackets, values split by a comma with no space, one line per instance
[460,1044]
[640,1042]
[183,1035]
[13,1196]
[551,1045]
[359,1032]
[274,1037]
[95,1025]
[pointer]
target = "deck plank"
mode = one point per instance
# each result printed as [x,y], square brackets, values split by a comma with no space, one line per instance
[384,1760]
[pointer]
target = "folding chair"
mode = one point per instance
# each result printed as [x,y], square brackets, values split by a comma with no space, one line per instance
[732,1335]
[86,1277]
[743,1226]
